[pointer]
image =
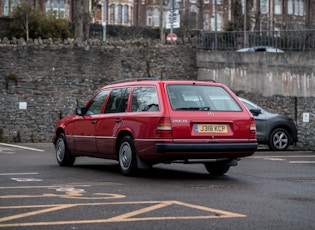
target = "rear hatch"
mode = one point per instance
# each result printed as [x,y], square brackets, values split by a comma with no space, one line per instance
[208,113]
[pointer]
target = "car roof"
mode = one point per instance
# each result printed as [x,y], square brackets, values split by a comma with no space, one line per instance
[131,81]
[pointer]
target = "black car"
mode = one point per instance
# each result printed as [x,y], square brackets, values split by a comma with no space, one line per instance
[276,130]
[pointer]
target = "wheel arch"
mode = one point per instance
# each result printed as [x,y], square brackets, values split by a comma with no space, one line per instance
[140,163]
[120,135]
[58,132]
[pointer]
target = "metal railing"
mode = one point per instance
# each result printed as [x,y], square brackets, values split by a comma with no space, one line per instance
[287,40]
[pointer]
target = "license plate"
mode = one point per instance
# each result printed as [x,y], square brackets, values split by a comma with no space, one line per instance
[210,128]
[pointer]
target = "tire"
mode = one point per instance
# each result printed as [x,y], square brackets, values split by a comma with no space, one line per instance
[127,156]
[217,169]
[63,155]
[279,139]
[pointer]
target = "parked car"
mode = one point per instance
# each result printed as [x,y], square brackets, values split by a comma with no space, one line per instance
[141,122]
[276,130]
[267,49]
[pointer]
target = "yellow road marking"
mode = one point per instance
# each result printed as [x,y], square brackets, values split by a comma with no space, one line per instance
[71,191]
[130,216]
[58,207]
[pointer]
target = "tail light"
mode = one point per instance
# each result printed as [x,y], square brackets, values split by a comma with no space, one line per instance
[164,128]
[252,129]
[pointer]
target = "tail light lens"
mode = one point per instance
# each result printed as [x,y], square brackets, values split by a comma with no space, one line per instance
[164,128]
[252,129]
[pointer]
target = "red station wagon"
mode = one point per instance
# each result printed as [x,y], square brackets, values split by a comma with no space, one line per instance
[144,122]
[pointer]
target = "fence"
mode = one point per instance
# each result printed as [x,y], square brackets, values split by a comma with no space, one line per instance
[287,40]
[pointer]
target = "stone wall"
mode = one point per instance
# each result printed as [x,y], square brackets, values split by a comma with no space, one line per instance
[281,83]
[52,79]
[43,81]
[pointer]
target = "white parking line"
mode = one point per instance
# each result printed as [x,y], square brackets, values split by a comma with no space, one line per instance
[14,174]
[21,147]
[302,162]
[296,156]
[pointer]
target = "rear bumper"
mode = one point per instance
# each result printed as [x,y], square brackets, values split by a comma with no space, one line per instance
[207,147]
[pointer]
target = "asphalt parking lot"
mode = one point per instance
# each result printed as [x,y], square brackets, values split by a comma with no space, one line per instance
[269,190]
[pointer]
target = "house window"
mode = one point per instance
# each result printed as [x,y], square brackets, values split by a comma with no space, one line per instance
[156,17]
[290,6]
[126,14]
[112,13]
[149,17]
[277,7]
[6,8]
[299,7]
[216,22]
[206,1]
[206,22]
[56,6]
[264,6]
[119,14]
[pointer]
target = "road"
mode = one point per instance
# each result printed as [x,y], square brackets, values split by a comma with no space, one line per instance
[269,190]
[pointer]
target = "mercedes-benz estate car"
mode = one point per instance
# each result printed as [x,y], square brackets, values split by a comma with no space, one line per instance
[278,131]
[143,122]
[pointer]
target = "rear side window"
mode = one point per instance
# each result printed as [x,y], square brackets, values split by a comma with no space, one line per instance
[118,101]
[144,99]
[201,97]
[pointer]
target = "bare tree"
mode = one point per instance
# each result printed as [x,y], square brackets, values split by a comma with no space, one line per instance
[82,19]
[22,14]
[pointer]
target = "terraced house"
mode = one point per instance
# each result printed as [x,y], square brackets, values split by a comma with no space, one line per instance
[206,15]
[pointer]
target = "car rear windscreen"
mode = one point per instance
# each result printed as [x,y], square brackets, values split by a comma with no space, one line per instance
[201,98]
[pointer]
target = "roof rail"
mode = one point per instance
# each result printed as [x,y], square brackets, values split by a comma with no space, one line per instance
[133,79]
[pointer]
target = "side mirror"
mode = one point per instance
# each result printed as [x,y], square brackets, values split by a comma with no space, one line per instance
[79,111]
[255,112]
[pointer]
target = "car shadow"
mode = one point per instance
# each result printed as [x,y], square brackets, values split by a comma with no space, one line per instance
[155,172]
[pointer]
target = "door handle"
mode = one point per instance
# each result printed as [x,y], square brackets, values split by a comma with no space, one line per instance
[117,120]
[94,121]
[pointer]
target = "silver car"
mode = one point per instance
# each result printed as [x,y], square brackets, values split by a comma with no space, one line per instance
[276,130]
[267,49]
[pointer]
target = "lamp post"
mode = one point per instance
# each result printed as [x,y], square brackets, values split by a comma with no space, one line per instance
[173,18]
[104,20]
[245,13]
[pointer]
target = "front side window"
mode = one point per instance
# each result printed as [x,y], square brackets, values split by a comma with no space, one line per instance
[118,101]
[201,98]
[144,99]
[96,104]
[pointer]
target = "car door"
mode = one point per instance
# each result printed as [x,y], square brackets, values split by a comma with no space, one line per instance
[85,126]
[110,121]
